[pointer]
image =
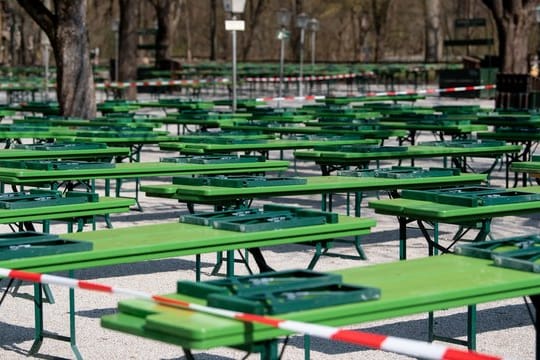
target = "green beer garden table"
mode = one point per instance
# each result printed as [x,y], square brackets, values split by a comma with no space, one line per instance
[134,170]
[315,185]
[95,153]
[231,197]
[72,213]
[408,210]
[532,168]
[166,240]
[407,287]
[316,130]
[263,146]
[333,160]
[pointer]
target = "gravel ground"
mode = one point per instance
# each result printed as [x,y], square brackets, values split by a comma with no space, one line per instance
[504,328]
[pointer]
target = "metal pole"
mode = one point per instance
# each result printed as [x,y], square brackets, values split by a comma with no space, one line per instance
[281,65]
[300,84]
[234,68]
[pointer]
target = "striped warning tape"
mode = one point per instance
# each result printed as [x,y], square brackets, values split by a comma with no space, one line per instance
[413,348]
[273,79]
[385,93]
[120,84]
[123,85]
[292,98]
[431,91]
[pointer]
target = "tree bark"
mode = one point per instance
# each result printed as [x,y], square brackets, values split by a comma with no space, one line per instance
[128,41]
[514,20]
[167,20]
[433,34]
[379,13]
[67,31]
[256,9]
[213,30]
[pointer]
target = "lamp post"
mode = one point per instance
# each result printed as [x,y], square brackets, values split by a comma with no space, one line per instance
[301,23]
[313,26]
[283,18]
[115,27]
[234,7]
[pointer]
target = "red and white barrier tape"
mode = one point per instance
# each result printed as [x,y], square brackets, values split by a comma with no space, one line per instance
[430,91]
[386,93]
[122,85]
[292,98]
[273,79]
[413,348]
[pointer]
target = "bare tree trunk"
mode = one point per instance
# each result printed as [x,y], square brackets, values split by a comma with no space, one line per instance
[167,14]
[514,21]
[128,41]
[187,18]
[213,30]
[295,38]
[379,10]
[433,34]
[256,8]
[67,31]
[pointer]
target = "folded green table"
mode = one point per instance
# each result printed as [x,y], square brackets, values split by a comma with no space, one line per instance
[407,287]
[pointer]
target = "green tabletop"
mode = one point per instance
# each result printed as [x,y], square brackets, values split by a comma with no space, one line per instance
[514,136]
[438,212]
[21,154]
[407,287]
[314,185]
[135,170]
[416,151]
[134,139]
[444,128]
[262,145]
[157,241]
[179,104]
[526,166]
[39,133]
[357,99]
[99,122]
[105,205]
[318,130]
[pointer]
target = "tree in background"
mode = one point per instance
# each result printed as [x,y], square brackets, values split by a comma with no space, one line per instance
[213,30]
[128,42]
[514,19]
[167,14]
[66,29]
[433,34]
[379,13]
